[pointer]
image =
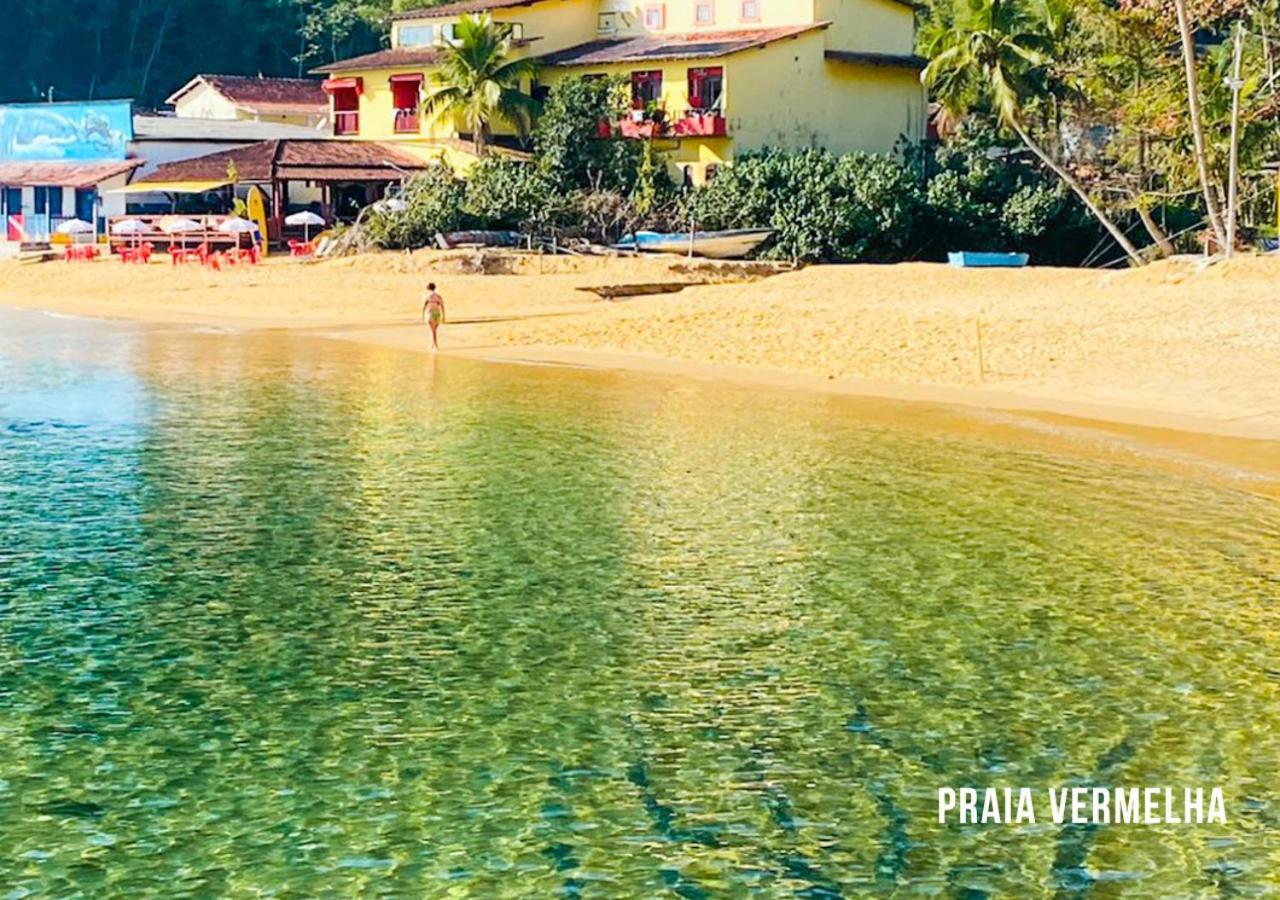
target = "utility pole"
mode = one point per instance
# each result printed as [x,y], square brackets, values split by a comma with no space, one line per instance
[1236,83]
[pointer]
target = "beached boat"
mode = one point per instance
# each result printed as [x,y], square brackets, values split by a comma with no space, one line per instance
[969,260]
[710,244]
[453,239]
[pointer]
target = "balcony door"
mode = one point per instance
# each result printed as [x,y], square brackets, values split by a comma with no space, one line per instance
[406,98]
[646,88]
[706,88]
[346,103]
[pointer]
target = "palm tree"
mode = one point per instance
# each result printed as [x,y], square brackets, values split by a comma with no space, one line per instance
[994,52]
[480,81]
[1187,36]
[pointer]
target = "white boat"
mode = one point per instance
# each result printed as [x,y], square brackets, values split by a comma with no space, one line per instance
[709,244]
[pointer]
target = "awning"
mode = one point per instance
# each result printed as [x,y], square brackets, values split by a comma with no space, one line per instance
[415,78]
[343,84]
[171,187]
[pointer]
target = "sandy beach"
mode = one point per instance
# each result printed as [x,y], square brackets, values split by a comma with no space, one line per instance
[1179,344]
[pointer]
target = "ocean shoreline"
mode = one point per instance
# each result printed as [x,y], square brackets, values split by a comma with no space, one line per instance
[1202,448]
[1174,355]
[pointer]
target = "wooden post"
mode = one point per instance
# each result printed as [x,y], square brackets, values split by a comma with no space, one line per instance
[1233,184]
[982,357]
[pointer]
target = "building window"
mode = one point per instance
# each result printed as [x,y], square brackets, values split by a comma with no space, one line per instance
[515,31]
[346,111]
[704,14]
[416,36]
[655,17]
[706,87]
[446,34]
[48,200]
[86,201]
[750,11]
[646,88]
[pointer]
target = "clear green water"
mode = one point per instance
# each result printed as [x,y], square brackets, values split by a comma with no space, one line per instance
[291,618]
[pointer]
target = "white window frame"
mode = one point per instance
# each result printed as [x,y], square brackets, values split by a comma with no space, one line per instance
[430,31]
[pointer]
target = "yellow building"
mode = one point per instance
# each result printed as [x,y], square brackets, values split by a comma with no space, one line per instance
[710,78]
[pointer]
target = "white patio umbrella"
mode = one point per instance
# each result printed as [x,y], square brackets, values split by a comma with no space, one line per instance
[132,227]
[237,226]
[180,226]
[73,227]
[76,226]
[306,219]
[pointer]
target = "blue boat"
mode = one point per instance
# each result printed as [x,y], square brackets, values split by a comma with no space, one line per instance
[967,260]
[711,244]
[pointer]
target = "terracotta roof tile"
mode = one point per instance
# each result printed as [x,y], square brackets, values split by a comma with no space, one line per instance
[57,174]
[298,159]
[691,45]
[265,94]
[462,7]
[383,59]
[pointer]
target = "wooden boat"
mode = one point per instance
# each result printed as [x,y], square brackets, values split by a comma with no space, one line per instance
[624,291]
[969,260]
[709,244]
[453,239]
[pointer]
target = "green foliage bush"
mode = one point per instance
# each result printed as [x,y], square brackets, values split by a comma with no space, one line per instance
[983,193]
[821,206]
[570,153]
[974,192]
[579,185]
[509,194]
[434,201]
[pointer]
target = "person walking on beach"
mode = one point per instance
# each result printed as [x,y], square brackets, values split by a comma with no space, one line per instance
[433,313]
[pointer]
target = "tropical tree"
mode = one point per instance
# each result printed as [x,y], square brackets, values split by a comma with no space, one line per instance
[995,54]
[480,81]
[1187,39]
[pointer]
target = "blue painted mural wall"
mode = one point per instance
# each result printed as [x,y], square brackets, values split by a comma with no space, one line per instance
[68,132]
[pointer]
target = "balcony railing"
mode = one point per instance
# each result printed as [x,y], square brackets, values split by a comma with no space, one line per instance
[693,122]
[407,121]
[346,122]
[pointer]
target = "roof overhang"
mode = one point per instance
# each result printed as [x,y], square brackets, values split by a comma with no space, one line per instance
[64,174]
[177,95]
[882,60]
[332,85]
[463,8]
[700,45]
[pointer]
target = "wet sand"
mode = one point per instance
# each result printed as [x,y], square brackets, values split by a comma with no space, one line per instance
[1178,347]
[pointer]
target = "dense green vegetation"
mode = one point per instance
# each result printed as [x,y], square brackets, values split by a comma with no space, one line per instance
[1128,103]
[853,208]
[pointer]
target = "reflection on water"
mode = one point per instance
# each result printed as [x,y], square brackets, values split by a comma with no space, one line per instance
[298,618]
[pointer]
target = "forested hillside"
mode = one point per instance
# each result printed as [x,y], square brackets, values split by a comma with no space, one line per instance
[86,49]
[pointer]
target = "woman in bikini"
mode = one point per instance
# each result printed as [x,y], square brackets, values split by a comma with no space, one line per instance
[433,313]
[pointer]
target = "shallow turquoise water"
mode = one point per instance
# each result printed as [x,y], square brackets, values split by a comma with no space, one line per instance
[283,617]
